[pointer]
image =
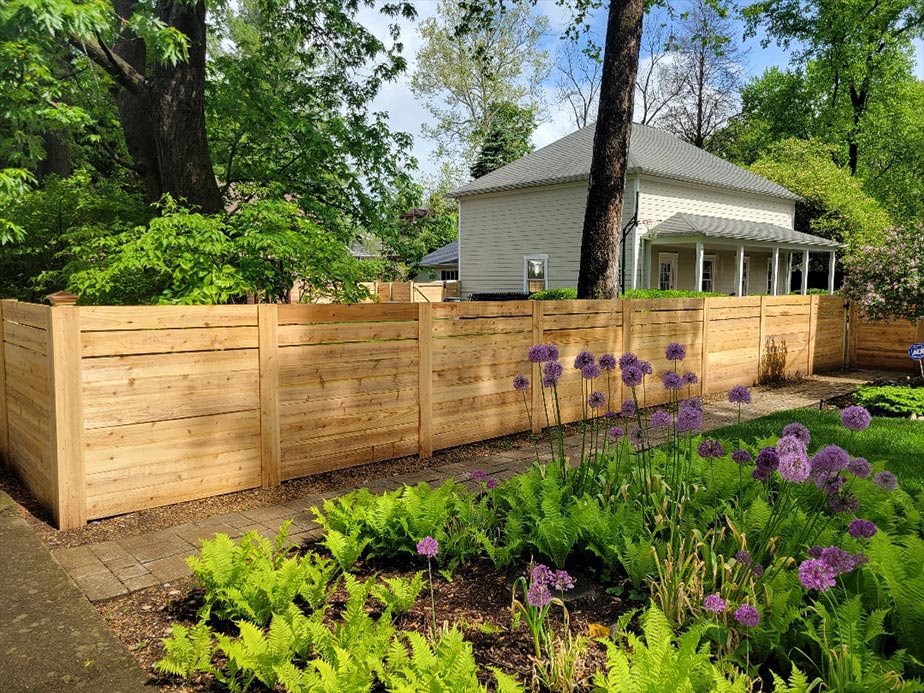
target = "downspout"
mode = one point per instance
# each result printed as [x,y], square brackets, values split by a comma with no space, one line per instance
[631,224]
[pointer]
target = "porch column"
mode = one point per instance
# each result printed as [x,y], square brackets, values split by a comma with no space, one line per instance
[788,273]
[831,261]
[739,270]
[633,280]
[775,273]
[805,261]
[698,272]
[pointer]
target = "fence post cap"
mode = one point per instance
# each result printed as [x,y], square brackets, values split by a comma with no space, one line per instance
[62,298]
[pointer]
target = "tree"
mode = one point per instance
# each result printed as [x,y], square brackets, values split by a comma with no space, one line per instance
[463,77]
[853,49]
[833,204]
[506,140]
[577,80]
[654,90]
[887,279]
[705,74]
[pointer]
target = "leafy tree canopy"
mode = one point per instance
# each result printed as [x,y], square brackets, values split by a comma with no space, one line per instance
[506,140]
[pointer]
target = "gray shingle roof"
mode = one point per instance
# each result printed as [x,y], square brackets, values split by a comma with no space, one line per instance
[447,255]
[717,227]
[651,151]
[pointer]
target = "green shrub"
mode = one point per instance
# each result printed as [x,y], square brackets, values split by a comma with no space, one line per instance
[891,400]
[554,295]
[668,293]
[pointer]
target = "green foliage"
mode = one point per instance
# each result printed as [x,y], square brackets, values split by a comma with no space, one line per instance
[506,140]
[345,548]
[888,400]
[898,568]
[416,236]
[667,293]
[797,683]
[188,650]
[554,295]
[658,660]
[398,594]
[833,203]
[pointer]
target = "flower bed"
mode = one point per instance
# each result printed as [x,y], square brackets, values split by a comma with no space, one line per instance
[716,565]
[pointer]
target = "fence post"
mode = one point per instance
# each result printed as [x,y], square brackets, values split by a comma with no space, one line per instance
[68,478]
[853,325]
[704,369]
[268,355]
[4,403]
[761,337]
[536,391]
[919,333]
[813,333]
[425,380]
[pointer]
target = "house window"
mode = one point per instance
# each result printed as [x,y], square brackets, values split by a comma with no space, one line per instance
[667,271]
[535,273]
[449,275]
[770,276]
[745,275]
[708,273]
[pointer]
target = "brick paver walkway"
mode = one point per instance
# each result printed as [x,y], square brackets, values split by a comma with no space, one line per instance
[112,568]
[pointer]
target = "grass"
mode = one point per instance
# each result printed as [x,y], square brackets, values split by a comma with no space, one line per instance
[898,443]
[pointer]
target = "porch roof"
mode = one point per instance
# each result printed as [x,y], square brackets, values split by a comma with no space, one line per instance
[694,226]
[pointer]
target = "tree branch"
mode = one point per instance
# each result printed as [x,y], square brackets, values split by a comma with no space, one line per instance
[123,73]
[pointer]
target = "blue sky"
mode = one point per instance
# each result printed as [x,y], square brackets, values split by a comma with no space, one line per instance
[407,115]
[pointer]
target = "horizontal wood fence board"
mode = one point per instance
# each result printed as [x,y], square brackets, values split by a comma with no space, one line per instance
[168,341]
[581,321]
[149,435]
[461,376]
[29,391]
[147,318]
[671,317]
[345,354]
[32,464]
[582,306]
[492,326]
[126,369]
[30,314]
[21,361]
[573,341]
[472,429]
[307,459]
[307,373]
[374,401]
[458,393]
[479,309]
[318,426]
[304,314]
[332,333]
[337,389]
[26,336]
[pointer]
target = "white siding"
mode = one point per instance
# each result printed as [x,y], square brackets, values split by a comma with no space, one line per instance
[726,259]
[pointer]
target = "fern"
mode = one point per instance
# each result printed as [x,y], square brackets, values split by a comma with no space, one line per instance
[448,666]
[189,650]
[797,683]
[398,594]
[898,565]
[345,548]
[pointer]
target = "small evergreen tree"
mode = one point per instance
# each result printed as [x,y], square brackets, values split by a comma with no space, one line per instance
[507,139]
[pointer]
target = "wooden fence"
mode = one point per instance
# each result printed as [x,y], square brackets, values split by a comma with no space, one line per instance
[883,345]
[106,410]
[412,292]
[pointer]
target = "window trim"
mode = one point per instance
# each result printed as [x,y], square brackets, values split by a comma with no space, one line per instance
[715,267]
[746,277]
[444,278]
[672,259]
[535,256]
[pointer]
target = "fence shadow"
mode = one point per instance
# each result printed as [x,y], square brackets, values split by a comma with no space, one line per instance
[773,363]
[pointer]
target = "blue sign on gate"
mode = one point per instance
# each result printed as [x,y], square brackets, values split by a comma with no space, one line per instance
[916,351]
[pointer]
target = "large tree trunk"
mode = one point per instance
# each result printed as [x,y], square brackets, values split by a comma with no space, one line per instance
[163,116]
[606,190]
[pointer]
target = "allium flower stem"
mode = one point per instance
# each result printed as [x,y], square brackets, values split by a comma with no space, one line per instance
[432,598]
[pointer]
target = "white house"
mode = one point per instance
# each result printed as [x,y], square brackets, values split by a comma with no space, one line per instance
[691,221]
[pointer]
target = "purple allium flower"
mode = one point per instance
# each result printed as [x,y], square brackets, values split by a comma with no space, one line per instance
[797,430]
[596,400]
[520,383]
[789,445]
[660,419]
[760,474]
[590,371]
[671,380]
[536,353]
[843,502]
[562,581]
[479,476]
[610,414]
[830,459]
[585,358]
[743,557]
[829,484]
[675,352]
[627,409]
[840,561]
[815,574]
[714,603]
[710,449]
[491,483]
[860,559]
[551,372]
[615,433]
[632,376]
[886,480]
[628,359]
[542,574]
[739,394]
[768,458]
[646,367]
[794,468]
[859,467]
[861,529]
[428,546]
[689,415]
[607,362]
[757,570]
[747,615]
[689,378]
[741,456]
[815,551]
[538,595]
[855,418]
[638,437]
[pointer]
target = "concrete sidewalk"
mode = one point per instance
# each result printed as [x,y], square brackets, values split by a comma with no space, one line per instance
[51,638]
[109,569]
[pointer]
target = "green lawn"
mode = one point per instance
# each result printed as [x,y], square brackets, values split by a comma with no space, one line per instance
[899,443]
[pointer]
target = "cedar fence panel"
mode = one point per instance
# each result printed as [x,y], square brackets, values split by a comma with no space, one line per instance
[883,344]
[106,410]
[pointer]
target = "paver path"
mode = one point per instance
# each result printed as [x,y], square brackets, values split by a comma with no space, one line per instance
[109,569]
[51,637]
